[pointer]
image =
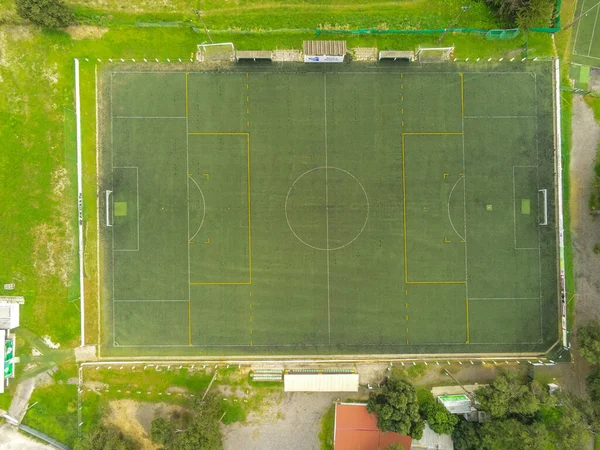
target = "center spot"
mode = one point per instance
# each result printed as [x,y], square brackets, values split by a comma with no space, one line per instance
[327,208]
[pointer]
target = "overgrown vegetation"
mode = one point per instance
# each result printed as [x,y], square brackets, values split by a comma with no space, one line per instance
[327,429]
[45,13]
[199,431]
[594,103]
[524,416]
[435,414]
[525,13]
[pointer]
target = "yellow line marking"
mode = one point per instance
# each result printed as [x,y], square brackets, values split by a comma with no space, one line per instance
[189,322]
[247,111]
[250,318]
[250,305]
[402,98]
[219,282]
[250,293]
[407,339]
[404,205]
[206,175]
[207,241]
[407,329]
[250,330]
[401,85]
[433,132]
[246,85]
[249,207]
[247,123]
[462,241]
[403,123]
[250,343]
[191,242]
[402,110]
[186,94]
[246,74]
[407,317]
[446,240]
[247,98]
[468,333]
[400,76]
[406,292]
[445,174]
[226,133]
[462,93]
[406,304]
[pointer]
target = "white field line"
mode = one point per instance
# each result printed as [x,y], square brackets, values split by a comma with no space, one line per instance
[577,31]
[187,182]
[112,158]
[147,301]
[593,32]
[80,203]
[137,196]
[559,201]
[504,298]
[449,218]
[500,117]
[148,117]
[97,208]
[462,120]
[327,209]
[537,162]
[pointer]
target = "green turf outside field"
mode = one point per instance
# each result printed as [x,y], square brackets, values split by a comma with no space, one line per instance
[339,209]
[586,36]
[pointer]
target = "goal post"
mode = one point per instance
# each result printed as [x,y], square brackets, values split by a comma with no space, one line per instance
[224,51]
[544,200]
[109,222]
[434,54]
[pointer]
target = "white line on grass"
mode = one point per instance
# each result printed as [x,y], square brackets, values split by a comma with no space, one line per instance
[462,119]
[327,209]
[500,117]
[577,31]
[112,163]
[80,203]
[504,298]
[449,197]
[187,171]
[147,301]
[147,117]
[537,161]
[98,207]
[593,31]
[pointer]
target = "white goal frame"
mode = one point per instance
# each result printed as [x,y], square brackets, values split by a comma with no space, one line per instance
[446,52]
[201,53]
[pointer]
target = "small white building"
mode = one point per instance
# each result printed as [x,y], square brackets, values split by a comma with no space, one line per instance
[9,319]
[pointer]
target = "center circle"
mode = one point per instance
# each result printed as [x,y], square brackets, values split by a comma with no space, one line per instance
[327,208]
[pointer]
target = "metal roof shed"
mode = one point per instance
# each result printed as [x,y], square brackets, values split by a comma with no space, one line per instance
[320,382]
[324,51]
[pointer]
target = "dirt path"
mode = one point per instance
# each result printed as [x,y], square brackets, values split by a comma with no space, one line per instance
[293,424]
[585,231]
[11,439]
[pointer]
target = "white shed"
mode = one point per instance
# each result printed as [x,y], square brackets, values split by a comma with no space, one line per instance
[320,382]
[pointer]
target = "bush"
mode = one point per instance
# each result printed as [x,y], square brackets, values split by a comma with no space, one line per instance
[589,342]
[45,13]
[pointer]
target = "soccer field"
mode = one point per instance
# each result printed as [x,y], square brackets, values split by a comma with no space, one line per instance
[327,209]
[586,40]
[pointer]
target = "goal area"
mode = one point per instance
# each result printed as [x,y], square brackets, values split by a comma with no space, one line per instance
[434,54]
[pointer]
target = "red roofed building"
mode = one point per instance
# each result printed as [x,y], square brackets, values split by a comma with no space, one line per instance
[356,429]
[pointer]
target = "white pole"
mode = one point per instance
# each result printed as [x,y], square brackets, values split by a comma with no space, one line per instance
[559,200]
[80,200]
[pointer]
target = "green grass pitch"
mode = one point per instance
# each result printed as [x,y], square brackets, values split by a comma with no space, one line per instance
[335,209]
[586,33]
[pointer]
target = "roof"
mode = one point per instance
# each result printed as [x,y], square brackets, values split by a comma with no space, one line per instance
[456,404]
[393,54]
[356,429]
[320,382]
[252,54]
[9,315]
[322,48]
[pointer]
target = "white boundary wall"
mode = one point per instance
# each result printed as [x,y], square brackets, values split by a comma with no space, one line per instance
[559,200]
[79,200]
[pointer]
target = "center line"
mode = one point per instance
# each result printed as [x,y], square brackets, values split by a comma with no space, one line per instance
[327,208]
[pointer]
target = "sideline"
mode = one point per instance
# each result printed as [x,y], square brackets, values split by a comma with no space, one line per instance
[79,200]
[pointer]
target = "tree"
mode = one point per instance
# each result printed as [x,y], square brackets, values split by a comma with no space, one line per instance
[202,433]
[106,438]
[162,431]
[45,13]
[506,396]
[589,342]
[437,416]
[524,13]
[466,436]
[502,434]
[395,447]
[593,385]
[397,408]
